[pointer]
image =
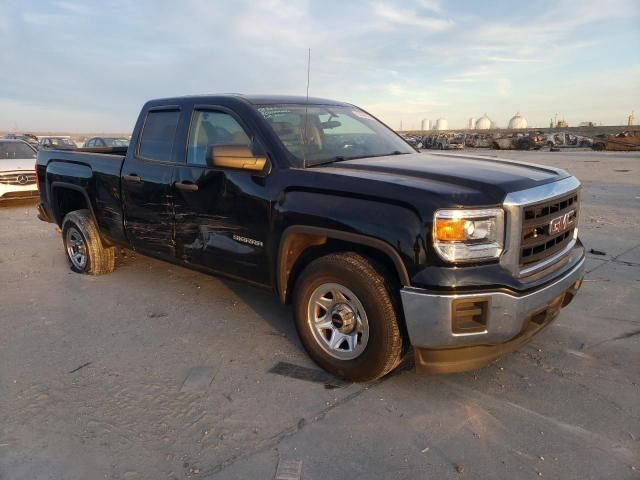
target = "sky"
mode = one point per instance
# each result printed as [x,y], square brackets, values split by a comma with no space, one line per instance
[82,66]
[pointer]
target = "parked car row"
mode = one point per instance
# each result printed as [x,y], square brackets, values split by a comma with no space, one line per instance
[62,142]
[18,154]
[533,140]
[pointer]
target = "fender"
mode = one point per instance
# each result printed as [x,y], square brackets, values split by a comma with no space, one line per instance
[285,263]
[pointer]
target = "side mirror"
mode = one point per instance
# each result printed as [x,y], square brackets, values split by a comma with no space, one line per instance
[236,157]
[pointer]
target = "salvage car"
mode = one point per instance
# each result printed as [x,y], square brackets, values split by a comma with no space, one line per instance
[378,247]
[625,141]
[567,140]
[25,137]
[17,175]
[99,142]
[445,142]
[58,143]
[515,142]
[478,140]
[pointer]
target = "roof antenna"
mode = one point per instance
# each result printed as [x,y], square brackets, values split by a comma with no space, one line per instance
[306,106]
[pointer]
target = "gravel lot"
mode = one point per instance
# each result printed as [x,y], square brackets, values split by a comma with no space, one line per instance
[99,376]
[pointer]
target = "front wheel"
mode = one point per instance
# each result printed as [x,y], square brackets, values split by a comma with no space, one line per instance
[346,317]
[83,245]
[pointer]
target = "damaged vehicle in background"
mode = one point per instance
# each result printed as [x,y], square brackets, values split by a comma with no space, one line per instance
[625,141]
[567,140]
[17,176]
[25,137]
[413,140]
[101,142]
[517,141]
[447,142]
[58,143]
[379,248]
[478,140]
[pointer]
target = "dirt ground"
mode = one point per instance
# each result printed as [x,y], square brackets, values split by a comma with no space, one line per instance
[158,372]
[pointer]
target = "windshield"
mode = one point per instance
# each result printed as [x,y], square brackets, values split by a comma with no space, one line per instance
[10,150]
[317,134]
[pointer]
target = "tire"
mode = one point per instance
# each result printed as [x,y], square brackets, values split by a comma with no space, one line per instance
[83,245]
[360,301]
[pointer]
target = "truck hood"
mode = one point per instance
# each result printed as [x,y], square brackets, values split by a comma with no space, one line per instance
[465,178]
[15,164]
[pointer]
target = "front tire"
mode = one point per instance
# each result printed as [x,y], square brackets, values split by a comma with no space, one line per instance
[83,245]
[346,317]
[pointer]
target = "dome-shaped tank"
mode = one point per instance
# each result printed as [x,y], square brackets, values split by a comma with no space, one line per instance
[442,124]
[483,123]
[517,122]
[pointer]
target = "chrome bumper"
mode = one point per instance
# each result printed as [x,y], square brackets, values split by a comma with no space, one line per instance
[428,315]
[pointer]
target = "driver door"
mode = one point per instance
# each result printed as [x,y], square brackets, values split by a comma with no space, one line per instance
[221,215]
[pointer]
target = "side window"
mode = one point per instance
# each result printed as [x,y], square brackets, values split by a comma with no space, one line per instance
[158,134]
[212,128]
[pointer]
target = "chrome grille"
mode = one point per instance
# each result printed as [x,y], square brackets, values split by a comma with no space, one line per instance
[539,239]
[18,178]
[533,207]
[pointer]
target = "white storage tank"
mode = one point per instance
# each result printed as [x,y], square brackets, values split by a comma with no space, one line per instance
[517,122]
[483,123]
[442,124]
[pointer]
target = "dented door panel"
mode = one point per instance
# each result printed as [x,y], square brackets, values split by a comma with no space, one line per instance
[222,226]
[148,206]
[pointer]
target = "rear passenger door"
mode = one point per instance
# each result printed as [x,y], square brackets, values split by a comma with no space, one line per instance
[147,184]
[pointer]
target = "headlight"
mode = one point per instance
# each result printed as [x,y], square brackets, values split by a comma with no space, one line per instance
[469,235]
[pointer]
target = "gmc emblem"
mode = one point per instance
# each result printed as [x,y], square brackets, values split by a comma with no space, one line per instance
[561,223]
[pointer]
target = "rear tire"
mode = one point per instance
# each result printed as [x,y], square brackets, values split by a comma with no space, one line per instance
[343,296]
[83,245]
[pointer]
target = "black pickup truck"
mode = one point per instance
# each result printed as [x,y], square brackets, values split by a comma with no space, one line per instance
[380,248]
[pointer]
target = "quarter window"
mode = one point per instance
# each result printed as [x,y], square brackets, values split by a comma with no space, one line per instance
[213,128]
[158,135]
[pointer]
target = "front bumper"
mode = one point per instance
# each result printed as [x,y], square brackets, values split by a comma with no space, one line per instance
[508,322]
[14,192]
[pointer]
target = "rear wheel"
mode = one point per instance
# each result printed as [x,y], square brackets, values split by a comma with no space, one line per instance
[346,317]
[83,245]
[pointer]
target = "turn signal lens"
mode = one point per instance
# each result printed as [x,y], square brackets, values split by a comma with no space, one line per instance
[450,229]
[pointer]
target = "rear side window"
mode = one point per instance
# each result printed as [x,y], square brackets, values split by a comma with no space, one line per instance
[158,134]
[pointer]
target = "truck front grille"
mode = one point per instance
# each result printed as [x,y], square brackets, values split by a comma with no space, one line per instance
[18,178]
[547,228]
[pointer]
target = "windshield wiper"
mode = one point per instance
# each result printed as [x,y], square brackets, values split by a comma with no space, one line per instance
[342,158]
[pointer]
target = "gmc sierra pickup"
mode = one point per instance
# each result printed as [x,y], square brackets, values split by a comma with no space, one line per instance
[379,248]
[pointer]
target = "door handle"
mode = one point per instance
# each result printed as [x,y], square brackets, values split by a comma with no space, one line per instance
[132,178]
[186,186]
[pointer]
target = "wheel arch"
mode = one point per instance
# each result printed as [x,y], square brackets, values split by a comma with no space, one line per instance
[300,245]
[66,197]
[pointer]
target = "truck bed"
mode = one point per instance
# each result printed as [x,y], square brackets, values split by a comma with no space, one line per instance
[91,172]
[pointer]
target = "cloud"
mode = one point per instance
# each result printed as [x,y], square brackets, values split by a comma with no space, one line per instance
[411,19]
[401,60]
[432,5]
